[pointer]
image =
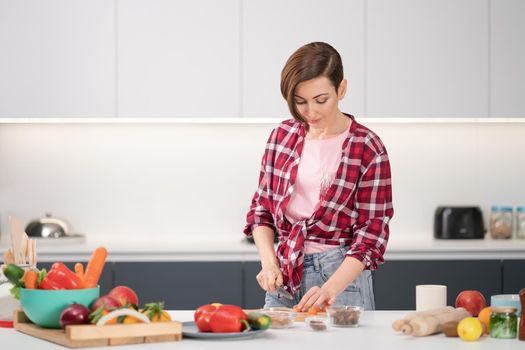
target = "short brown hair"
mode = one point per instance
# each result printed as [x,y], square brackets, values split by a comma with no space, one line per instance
[308,62]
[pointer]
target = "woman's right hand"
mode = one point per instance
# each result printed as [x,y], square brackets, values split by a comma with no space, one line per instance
[270,277]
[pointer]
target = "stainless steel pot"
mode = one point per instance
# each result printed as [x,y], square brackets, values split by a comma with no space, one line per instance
[48,227]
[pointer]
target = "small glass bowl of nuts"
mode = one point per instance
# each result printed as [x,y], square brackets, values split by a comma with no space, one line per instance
[281,317]
[344,315]
[318,323]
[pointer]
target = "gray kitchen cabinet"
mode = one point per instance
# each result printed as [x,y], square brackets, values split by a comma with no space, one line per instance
[187,285]
[513,276]
[395,281]
[105,282]
[182,285]
[253,294]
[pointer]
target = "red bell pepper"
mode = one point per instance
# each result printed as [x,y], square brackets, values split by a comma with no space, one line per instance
[202,316]
[219,318]
[60,277]
[228,319]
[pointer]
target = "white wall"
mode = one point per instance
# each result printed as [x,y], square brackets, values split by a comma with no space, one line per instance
[132,180]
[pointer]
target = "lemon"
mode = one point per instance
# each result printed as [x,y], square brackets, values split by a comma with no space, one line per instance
[470,329]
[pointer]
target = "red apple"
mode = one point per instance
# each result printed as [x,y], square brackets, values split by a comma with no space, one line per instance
[107,301]
[472,300]
[124,295]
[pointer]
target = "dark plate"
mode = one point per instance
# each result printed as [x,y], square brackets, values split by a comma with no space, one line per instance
[190,330]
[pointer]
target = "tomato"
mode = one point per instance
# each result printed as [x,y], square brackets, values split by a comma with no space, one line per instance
[162,317]
[155,312]
[104,313]
[129,320]
[158,316]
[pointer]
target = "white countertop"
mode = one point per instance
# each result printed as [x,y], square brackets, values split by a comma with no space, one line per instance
[375,332]
[235,248]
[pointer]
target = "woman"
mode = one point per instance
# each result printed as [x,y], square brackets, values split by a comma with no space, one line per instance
[324,189]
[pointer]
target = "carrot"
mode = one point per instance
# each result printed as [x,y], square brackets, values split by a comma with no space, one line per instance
[31,279]
[94,267]
[79,271]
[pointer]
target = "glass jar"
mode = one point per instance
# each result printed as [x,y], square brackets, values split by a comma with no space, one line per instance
[501,222]
[503,323]
[520,222]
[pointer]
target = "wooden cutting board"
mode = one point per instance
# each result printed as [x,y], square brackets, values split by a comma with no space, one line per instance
[81,336]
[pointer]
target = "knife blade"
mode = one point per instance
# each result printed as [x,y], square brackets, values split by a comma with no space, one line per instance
[283,292]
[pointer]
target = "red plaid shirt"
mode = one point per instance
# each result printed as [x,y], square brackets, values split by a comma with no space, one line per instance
[354,212]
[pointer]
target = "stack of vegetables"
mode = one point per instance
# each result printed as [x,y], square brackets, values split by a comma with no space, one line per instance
[59,276]
[120,305]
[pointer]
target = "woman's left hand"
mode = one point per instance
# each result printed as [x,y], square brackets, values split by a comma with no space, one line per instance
[315,297]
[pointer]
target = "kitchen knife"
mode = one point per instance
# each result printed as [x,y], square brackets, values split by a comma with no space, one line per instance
[282,292]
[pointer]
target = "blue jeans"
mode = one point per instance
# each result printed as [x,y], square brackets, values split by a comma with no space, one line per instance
[318,268]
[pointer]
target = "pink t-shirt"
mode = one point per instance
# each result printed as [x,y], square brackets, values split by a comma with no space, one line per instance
[315,174]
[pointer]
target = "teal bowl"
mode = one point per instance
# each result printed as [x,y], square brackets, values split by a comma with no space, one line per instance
[43,307]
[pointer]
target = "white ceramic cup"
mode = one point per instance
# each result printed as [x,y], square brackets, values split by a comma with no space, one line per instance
[430,296]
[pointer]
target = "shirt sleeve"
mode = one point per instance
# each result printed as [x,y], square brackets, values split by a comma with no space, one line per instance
[260,212]
[373,203]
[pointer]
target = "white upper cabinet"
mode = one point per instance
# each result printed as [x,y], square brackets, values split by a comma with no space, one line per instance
[507,58]
[427,58]
[57,58]
[223,58]
[178,58]
[274,29]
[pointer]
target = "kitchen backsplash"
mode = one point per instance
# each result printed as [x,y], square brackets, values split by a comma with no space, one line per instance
[190,181]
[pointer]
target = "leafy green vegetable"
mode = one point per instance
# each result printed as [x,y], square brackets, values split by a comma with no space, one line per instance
[503,325]
[15,292]
[41,274]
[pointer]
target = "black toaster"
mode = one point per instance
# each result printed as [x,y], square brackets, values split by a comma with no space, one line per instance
[458,223]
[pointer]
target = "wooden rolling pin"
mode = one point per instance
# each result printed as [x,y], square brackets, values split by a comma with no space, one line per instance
[397,325]
[427,325]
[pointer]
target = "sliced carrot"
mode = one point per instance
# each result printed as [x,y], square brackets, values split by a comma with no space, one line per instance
[313,311]
[79,271]
[31,279]
[94,267]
